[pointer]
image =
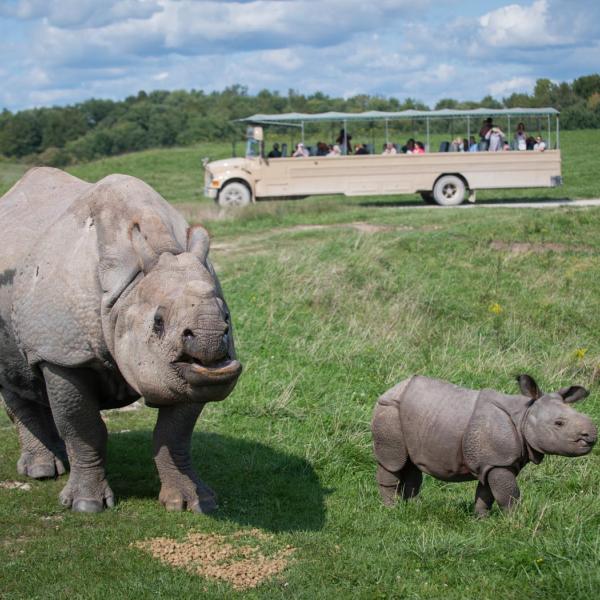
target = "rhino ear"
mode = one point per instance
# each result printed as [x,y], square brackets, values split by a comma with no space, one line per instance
[198,242]
[572,394]
[529,387]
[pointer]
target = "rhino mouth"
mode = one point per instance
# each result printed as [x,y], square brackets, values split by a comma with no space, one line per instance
[196,372]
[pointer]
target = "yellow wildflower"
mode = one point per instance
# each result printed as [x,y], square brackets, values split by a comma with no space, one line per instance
[495,308]
[580,353]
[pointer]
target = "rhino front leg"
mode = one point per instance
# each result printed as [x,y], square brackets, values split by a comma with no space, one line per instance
[181,488]
[42,450]
[74,404]
[503,484]
[483,500]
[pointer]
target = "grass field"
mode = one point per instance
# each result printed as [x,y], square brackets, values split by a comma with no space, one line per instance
[334,300]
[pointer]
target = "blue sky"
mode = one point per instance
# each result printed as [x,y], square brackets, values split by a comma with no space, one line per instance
[57,52]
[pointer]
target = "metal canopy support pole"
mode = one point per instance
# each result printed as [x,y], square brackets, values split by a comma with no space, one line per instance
[557,134]
[302,126]
[345,148]
[549,135]
[469,130]
[427,126]
[387,136]
[508,132]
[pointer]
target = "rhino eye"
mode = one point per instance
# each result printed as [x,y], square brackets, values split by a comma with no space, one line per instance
[158,326]
[559,422]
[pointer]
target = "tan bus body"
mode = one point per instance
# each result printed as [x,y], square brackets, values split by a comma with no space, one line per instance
[447,176]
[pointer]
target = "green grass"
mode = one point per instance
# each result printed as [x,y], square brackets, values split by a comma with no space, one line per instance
[326,320]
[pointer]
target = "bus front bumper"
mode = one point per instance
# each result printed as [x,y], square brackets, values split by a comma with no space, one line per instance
[211,192]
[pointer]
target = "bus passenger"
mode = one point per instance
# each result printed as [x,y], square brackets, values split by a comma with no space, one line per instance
[360,149]
[275,152]
[389,149]
[300,151]
[521,137]
[540,144]
[344,141]
[335,151]
[322,149]
[457,145]
[409,146]
[419,148]
[473,145]
[485,127]
[495,137]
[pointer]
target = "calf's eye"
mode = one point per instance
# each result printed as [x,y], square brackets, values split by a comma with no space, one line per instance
[559,422]
[158,327]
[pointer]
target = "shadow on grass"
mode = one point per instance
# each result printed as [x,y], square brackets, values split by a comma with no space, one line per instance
[491,201]
[255,484]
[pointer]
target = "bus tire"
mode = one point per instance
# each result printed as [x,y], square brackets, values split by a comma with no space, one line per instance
[234,194]
[427,197]
[449,190]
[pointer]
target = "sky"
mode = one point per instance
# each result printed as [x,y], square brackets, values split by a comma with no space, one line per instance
[58,52]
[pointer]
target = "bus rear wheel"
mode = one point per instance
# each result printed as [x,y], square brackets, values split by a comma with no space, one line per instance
[234,194]
[449,190]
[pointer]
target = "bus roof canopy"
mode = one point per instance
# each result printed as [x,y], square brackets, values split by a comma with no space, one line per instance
[376,115]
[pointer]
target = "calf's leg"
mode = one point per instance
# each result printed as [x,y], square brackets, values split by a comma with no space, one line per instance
[483,500]
[411,479]
[503,484]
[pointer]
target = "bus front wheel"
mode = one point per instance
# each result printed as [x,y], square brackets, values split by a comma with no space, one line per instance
[449,190]
[234,194]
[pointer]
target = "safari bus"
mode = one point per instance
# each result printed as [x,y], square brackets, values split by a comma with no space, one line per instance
[442,171]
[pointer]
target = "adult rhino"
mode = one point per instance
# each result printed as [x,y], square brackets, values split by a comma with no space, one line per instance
[107,295]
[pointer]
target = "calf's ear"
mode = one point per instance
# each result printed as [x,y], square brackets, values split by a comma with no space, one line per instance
[529,387]
[572,394]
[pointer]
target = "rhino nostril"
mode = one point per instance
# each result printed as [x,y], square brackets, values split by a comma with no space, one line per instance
[226,331]
[188,334]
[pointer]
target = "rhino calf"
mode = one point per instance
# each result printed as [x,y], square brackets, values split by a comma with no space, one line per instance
[106,295]
[425,425]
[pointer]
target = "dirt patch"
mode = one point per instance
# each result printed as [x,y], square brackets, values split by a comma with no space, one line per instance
[15,485]
[237,559]
[517,248]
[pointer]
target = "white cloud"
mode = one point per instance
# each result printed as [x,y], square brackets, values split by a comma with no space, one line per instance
[509,86]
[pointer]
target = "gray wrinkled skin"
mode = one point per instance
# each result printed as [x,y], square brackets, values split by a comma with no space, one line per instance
[107,295]
[425,425]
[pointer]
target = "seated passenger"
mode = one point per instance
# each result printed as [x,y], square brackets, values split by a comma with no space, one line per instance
[409,147]
[473,145]
[322,149]
[495,137]
[540,144]
[389,149]
[521,137]
[335,151]
[360,149]
[419,148]
[300,151]
[530,141]
[275,152]
[457,145]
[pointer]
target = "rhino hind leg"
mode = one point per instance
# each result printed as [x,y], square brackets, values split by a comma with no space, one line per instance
[75,407]
[483,500]
[43,453]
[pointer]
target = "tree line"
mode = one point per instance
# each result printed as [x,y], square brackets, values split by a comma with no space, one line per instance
[96,128]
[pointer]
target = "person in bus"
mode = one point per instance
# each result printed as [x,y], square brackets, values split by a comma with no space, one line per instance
[300,151]
[335,151]
[485,127]
[344,141]
[360,149]
[389,149]
[495,137]
[322,149]
[275,152]
[457,145]
[540,144]
[409,146]
[419,148]
[521,137]
[473,145]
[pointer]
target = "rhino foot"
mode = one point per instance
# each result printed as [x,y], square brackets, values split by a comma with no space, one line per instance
[85,496]
[41,465]
[193,495]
